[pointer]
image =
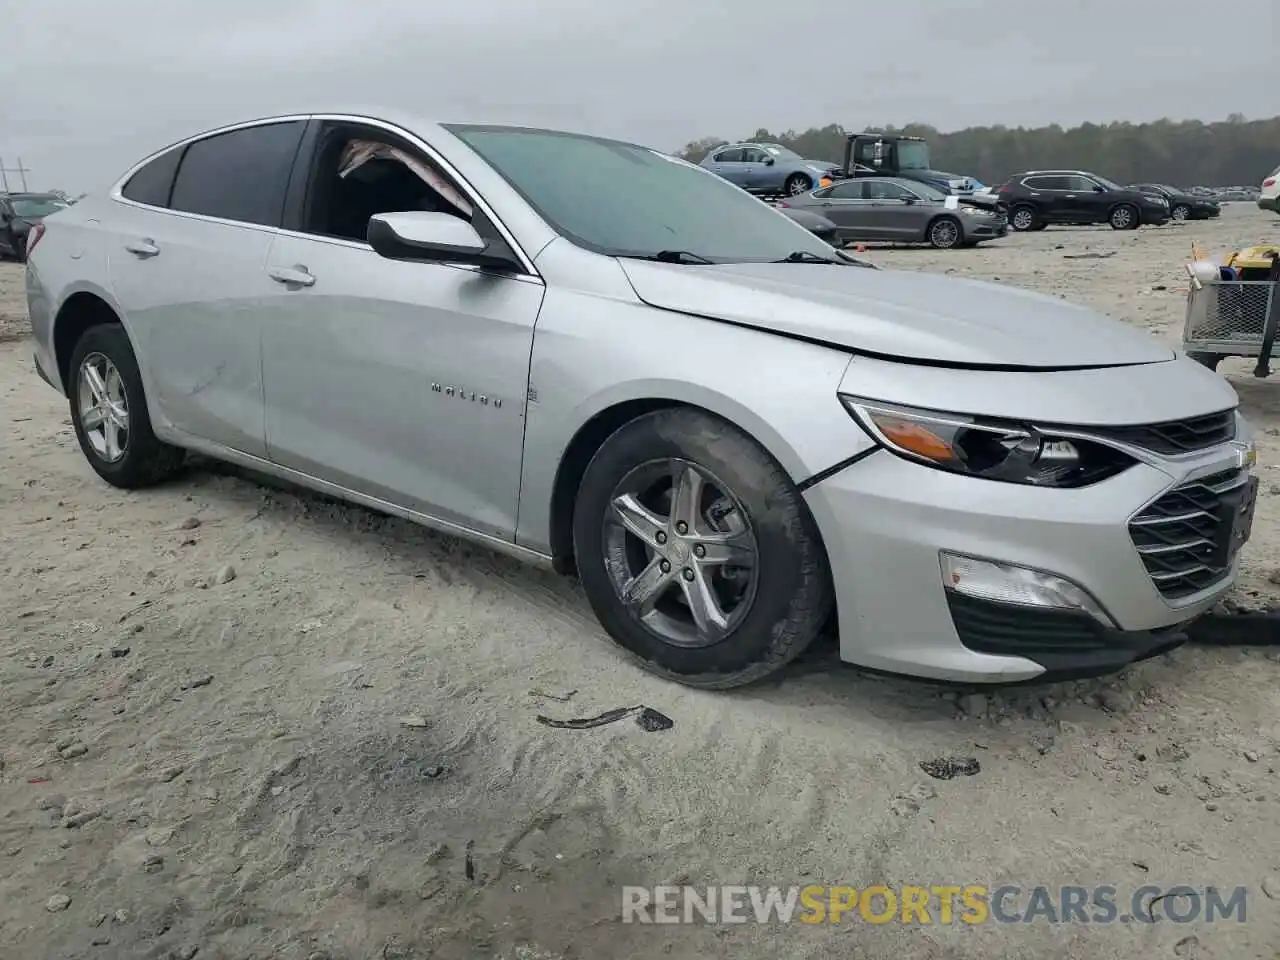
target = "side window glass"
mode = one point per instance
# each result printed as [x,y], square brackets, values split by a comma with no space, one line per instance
[151,184]
[729,156]
[357,173]
[241,175]
[849,191]
[1036,183]
[753,155]
[1082,184]
[884,190]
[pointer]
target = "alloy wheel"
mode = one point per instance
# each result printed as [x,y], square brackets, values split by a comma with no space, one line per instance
[797,186]
[103,405]
[680,552]
[1023,219]
[944,234]
[1180,213]
[1121,217]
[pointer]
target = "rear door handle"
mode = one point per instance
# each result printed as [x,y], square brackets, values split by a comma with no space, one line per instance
[295,276]
[142,248]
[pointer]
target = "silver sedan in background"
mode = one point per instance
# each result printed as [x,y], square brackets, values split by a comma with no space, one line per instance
[604,359]
[903,211]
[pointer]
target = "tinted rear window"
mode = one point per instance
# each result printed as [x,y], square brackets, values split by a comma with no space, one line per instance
[241,175]
[151,184]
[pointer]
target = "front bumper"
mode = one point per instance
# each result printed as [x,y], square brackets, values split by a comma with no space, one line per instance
[884,521]
[1269,203]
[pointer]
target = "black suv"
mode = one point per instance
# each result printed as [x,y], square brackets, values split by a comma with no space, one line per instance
[1038,198]
[18,213]
[1182,205]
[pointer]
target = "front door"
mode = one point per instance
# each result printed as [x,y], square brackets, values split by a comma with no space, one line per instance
[404,381]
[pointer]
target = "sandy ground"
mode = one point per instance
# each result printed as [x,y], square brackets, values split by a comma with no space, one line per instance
[217,766]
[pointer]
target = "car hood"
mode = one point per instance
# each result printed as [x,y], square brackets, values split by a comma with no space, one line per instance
[923,317]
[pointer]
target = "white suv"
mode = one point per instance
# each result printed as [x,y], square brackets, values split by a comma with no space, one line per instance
[1270,199]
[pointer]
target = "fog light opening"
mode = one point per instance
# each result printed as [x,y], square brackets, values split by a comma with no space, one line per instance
[1008,583]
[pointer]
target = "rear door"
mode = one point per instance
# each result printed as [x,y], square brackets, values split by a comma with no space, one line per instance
[845,205]
[730,165]
[187,264]
[1047,191]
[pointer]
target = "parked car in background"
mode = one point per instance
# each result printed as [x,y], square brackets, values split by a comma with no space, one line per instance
[1269,197]
[19,212]
[1038,198]
[727,429]
[815,223]
[768,168]
[904,211]
[1182,205]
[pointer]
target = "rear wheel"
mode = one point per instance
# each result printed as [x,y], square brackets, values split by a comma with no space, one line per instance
[1023,217]
[1123,217]
[797,184]
[109,412]
[697,552]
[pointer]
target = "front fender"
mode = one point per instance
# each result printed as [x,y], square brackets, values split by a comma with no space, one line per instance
[593,353]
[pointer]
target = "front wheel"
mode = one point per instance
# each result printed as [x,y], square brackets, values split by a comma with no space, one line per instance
[797,184]
[109,412]
[1181,212]
[945,233]
[697,553]
[1123,217]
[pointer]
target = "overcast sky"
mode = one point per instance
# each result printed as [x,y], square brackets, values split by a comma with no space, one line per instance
[90,87]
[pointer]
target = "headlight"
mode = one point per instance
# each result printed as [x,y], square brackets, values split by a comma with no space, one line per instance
[991,449]
[1158,201]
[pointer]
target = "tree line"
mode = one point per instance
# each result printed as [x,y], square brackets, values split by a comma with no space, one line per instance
[1231,152]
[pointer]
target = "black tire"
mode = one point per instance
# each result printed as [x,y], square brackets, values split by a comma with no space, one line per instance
[942,238]
[1182,209]
[1040,226]
[1023,217]
[797,184]
[1210,360]
[793,593]
[147,460]
[1124,216]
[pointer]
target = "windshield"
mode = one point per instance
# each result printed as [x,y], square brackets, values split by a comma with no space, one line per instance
[621,199]
[913,155]
[782,152]
[1106,183]
[37,207]
[926,191]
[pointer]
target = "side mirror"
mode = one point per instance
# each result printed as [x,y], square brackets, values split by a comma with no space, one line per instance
[768,161]
[908,200]
[421,236]
[1098,188]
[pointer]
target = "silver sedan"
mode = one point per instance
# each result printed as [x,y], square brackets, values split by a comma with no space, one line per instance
[903,211]
[601,358]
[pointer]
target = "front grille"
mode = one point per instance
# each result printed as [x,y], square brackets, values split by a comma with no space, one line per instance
[1175,436]
[1181,536]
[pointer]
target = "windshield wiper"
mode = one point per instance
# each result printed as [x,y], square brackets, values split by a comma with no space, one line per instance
[669,256]
[805,256]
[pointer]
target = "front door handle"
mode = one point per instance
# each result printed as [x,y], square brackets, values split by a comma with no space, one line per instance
[142,248]
[295,276]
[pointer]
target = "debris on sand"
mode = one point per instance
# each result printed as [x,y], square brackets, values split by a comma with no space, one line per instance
[647,719]
[1088,256]
[948,768]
